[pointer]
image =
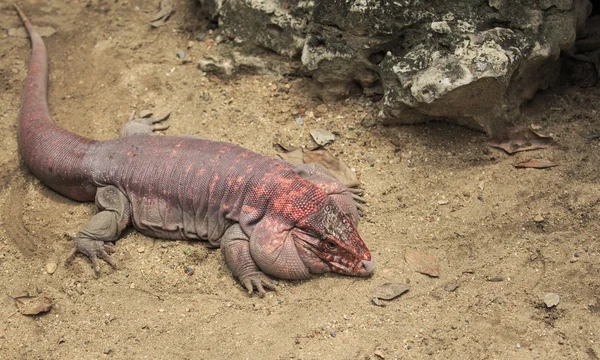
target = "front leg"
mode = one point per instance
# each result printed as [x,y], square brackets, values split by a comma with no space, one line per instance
[103,227]
[235,246]
[146,125]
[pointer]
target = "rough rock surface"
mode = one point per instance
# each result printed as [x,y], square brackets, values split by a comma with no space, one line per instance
[473,62]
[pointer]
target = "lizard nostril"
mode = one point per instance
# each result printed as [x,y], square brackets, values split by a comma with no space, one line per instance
[368,266]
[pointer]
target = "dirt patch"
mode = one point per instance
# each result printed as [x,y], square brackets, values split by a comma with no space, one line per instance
[503,236]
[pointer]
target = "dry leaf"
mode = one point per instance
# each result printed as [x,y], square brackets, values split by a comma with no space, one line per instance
[321,136]
[422,262]
[33,305]
[335,167]
[536,164]
[520,138]
[285,148]
[166,9]
[389,291]
[591,136]
[294,157]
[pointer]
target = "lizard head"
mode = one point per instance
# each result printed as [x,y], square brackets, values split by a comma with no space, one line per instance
[327,240]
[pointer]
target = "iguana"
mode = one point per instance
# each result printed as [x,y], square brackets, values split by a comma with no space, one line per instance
[268,217]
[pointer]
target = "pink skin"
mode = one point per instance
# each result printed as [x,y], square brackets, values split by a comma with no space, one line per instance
[321,256]
[274,219]
[328,241]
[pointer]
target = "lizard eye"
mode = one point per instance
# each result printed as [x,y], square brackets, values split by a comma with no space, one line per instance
[330,245]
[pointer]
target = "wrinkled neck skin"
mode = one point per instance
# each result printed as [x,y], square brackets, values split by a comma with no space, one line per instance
[289,250]
[285,252]
[305,232]
[318,258]
[305,245]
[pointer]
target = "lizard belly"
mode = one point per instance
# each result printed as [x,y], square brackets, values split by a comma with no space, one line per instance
[166,218]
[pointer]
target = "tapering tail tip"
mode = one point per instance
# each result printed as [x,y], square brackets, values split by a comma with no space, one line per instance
[21,14]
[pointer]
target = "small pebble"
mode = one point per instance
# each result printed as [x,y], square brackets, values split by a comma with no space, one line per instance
[368,121]
[180,54]
[141,249]
[378,302]
[442,202]
[538,219]
[322,108]
[351,136]
[481,185]
[189,270]
[164,246]
[51,267]
[451,287]
[473,139]
[379,354]
[79,288]
[299,121]
[551,299]
[200,36]
[190,44]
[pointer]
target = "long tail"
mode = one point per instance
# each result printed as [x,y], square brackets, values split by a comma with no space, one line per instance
[34,99]
[52,154]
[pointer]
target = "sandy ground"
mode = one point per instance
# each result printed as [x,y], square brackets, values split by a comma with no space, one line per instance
[444,192]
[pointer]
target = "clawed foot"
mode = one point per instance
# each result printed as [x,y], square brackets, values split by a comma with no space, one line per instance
[144,125]
[359,201]
[93,249]
[259,281]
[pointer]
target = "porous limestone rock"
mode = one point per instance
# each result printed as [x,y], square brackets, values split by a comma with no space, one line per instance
[473,62]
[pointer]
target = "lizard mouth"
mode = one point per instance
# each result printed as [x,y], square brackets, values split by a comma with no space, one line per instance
[362,268]
[319,261]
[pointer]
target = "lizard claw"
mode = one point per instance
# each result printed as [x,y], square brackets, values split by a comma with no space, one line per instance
[94,250]
[146,125]
[259,281]
[355,190]
[359,199]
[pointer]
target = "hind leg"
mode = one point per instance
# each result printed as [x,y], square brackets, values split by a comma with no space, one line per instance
[146,125]
[105,226]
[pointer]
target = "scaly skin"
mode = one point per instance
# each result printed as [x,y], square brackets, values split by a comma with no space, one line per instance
[267,217]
